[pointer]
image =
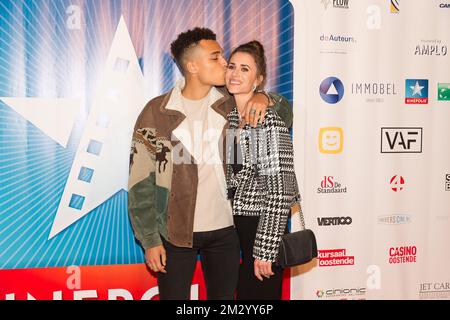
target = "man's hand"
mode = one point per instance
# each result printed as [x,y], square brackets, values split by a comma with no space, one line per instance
[255,109]
[263,268]
[156,259]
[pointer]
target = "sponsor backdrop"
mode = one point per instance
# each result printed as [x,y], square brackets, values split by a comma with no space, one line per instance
[372,103]
[74,76]
[370,86]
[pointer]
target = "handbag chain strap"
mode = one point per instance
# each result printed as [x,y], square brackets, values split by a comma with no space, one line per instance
[302,218]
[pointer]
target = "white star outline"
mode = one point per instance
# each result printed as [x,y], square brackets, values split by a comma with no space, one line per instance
[104,148]
[417,89]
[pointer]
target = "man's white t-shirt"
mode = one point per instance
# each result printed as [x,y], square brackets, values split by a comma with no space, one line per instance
[212,209]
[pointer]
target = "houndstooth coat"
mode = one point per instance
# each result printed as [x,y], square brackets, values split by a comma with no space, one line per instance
[266,185]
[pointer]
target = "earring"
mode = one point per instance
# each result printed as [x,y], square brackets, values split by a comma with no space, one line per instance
[254,87]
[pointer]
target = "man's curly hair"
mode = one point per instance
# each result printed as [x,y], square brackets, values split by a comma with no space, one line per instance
[188,40]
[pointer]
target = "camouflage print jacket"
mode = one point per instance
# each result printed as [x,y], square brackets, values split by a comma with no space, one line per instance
[162,192]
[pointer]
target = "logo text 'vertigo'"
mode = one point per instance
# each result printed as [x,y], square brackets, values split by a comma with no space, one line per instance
[334,221]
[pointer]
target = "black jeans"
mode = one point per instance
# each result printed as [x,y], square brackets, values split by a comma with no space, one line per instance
[219,254]
[249,287]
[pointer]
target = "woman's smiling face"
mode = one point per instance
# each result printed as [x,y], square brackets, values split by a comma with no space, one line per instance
[242,74]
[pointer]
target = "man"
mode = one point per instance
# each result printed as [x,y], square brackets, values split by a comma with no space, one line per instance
[177,189]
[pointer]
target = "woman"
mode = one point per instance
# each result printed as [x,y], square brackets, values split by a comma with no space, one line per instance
[261,179]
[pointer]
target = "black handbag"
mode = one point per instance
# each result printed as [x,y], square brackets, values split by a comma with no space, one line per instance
[298,247]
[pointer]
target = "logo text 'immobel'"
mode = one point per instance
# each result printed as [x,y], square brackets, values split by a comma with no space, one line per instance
[374,88]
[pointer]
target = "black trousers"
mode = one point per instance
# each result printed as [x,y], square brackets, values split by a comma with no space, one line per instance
[249,287]
[219,254]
